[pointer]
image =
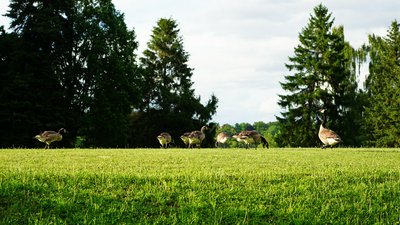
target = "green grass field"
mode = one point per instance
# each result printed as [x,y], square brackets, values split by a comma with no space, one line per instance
[202,186]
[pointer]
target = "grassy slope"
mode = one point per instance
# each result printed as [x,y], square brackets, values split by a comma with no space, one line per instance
[179,186]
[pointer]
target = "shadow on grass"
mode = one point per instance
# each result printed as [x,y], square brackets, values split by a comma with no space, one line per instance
[132,201]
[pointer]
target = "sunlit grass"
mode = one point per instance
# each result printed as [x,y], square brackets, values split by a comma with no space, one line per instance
[211,186]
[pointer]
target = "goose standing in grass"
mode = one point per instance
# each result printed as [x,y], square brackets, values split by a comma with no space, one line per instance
[251,137]
[164,138]
[222,138]
[185,138]
[50,136]
[327,136]
[196,137]
[239,139]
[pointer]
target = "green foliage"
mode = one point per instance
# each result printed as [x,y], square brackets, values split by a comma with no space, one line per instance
[324,77]
[78,72]
[272,134]
[109,82]
[152,186]
[382,117]
[72,64]
[10,115]
[33,97]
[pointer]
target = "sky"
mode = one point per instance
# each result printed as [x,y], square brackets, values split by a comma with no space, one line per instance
[238,49]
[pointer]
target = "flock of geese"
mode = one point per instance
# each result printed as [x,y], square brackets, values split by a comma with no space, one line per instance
[194,139]
[191,139]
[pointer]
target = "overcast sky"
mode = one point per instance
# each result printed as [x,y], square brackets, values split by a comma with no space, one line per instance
[238,48]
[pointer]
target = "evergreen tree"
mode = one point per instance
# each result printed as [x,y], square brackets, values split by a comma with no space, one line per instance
[382,117]
[109,85]
[35,98]
[345,107]
[169,102]
[323,78]
[72,65]
[10,119]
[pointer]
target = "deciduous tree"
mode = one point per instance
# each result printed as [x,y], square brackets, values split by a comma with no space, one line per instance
[109,83]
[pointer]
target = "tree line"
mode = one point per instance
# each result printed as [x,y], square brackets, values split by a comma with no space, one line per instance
[73,64]
[323,74]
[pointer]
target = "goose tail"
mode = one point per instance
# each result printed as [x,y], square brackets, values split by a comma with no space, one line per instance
[265,142]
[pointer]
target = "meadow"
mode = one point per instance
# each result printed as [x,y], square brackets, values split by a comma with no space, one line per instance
[201,186]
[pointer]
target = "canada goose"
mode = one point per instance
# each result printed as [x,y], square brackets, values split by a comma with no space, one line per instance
[196,137]
[221,139]
[164,138]
[185,138]
[238,139]
[327,136]
[50,136]
[245,138]
[251,137]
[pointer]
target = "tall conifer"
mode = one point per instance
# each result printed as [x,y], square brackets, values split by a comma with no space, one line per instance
[169,101]
[322,78]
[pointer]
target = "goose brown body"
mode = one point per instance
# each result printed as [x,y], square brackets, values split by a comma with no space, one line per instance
[196,137]
[239,139]
[185,138]
[165,139]
[222,138]
[327,136]
[251,137]
[50,136]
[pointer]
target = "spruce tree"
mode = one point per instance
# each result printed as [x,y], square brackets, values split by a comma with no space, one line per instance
[322,78]
[382,117]
[169,102]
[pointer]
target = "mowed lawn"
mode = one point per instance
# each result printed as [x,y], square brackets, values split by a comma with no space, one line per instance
[201,186]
